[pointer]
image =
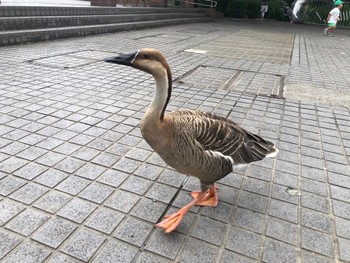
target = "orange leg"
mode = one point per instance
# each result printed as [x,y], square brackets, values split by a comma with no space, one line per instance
[209,198]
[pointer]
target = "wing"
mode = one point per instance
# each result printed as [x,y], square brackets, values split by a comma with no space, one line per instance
[218,134]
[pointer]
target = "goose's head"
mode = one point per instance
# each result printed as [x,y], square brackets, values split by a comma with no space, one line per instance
[147,59]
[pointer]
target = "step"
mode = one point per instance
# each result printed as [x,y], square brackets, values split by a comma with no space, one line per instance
[32,22]
[35,35]
[25,11]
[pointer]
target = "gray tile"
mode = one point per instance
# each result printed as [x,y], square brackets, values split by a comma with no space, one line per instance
[12,164]
[147,257]
[27,222]
[52,201]
[341,209]
[8,242]
[308,257]
[342,194]
[317,242]
[256,186]
[122,201]
[54,232]
[172,178]
[105,220]
[277,252]
[69,165]
[165,245]
[90,171]
[249,220]
[316,202]
[344,251]
[83,244]
[222,212]
[136,185]
[133,231]
[73,185]
[149,171]
[51,177]
[316,220]
[29,193]
[60,258]
[112,177]
[77,210]
[230,257]
[127,165]
[148,210]
[161,192]
[342,227]
[209,230]
[198,251]
[116,251]
[253,202]
[10,184]
[27,252]
[8,210]
[284,211]
[96,192]
[282,230]
[238,240]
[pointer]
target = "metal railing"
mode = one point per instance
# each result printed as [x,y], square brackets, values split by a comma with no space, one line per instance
[316,11]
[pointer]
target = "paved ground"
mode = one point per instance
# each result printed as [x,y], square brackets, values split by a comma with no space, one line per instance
[78,183]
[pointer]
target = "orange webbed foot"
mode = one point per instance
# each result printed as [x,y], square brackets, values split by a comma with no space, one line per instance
[210,199]
[171,221]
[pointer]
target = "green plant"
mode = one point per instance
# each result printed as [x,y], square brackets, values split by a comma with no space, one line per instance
[276,10]
[254,9]
[237,9]
[221,5]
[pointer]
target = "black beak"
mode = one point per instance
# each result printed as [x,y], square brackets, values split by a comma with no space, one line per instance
[123,59]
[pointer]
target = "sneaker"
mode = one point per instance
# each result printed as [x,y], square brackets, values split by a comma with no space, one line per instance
[325,31]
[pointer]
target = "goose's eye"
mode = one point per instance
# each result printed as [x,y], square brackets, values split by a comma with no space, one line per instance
[146,56]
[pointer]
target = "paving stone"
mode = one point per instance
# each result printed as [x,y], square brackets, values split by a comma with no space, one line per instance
[52,201]
[316,202]
[286,179]
[148,210]
[313,186]
[29,193]
[209,230]
[222,212]
[317,242]
[198,251]
[275,251]
[77,210]
[27,222]
[105,220]
[342,194]
[126,165]
[344,251]
[308,257]
[316,220]
[229,257]
[161,193]
[149,171]
[341,209]
[50,177]
[69,165]
[85,153]
[147,257]
[10,184]
[27,252]
[136,185]
[238,240]
[30,171]
[281,192]
[249,220]
[137,154]
[60,258]
[116,251]
[54,232]
[8,210]
[256,186]
[342,227]
[8,242]
[253,202]
[50,159]
[112,177]
[122,201]
[259,172]
[12,164]
[133,231]
[73,185]
[83,244]
[96,192]
[282,230]
[106,159]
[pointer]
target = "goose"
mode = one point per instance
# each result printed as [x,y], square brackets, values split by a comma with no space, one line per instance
[195,143]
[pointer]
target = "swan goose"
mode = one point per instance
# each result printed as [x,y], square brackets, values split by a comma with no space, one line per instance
[199,144]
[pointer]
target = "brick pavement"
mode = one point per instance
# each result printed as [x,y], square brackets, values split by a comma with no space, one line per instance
[78,183]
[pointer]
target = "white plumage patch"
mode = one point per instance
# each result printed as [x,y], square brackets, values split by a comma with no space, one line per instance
[273,154]
[223,156]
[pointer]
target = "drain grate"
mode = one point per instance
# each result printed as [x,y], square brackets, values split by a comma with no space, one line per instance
[73,59]
[248,82]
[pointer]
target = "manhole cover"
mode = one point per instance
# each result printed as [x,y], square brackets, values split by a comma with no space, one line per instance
[165,38]
[73,59]
[248,82]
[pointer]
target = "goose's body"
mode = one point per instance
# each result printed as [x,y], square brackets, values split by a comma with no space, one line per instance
[200,144]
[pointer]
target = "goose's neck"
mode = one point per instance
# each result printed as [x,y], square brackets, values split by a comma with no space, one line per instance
[161,97]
